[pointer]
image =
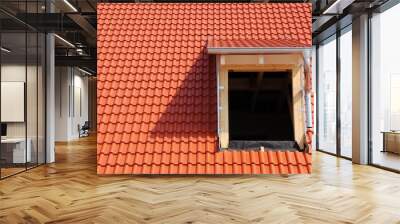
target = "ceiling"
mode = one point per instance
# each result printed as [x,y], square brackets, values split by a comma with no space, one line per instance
[75,21]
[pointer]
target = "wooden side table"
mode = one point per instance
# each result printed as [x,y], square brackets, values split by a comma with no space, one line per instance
[391,141]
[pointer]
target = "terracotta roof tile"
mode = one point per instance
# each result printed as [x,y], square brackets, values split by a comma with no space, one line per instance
[146,169]
[156,95]
[130,159]
[119,169]
[265,168]
[102,160]
[137,169]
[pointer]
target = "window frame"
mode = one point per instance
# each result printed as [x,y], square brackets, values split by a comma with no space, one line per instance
[334,37]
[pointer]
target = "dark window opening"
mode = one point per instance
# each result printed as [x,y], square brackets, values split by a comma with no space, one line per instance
[260,109]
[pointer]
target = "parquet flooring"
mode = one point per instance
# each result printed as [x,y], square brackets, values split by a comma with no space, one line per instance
[10,171]
[69,191]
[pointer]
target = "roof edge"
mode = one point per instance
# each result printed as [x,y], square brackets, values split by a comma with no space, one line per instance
[257,50]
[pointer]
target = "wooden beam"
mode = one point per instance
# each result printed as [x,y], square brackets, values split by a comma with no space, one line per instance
[260,68]
[224,108]
[298,105]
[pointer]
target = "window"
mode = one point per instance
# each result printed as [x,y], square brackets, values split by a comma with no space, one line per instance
[261,104]
[22,77]
[346,93]
[327,96]
[385,89]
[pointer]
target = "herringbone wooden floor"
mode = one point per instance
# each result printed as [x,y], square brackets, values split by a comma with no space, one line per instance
[69,191]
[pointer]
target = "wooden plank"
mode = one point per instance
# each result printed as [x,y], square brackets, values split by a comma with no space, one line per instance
[276,59]
[259,68]
[298,105]
[224,109]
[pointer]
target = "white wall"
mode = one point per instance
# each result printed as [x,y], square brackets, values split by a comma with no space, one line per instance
[71,102]
[9,73]
[80,103]
[16,73]
[62,81]
[33,127]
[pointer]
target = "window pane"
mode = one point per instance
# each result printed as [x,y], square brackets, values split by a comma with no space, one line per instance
[13,86]
[385,84]
[346,93]
[22,86]
[31,96]
[41,98]
[327,96]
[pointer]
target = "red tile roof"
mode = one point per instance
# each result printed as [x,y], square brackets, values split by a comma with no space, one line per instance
[156,86]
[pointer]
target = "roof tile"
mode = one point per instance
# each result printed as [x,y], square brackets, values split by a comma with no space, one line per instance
[112,158]
[246,168]
[165,124]
[183,169]
[282,158]
[121,159]
[255,158]
[137,169]
[139,159]
[102,160]
[245,157]
[128,169]
[265,169]
[146,169]
[210,157]
[130,159]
